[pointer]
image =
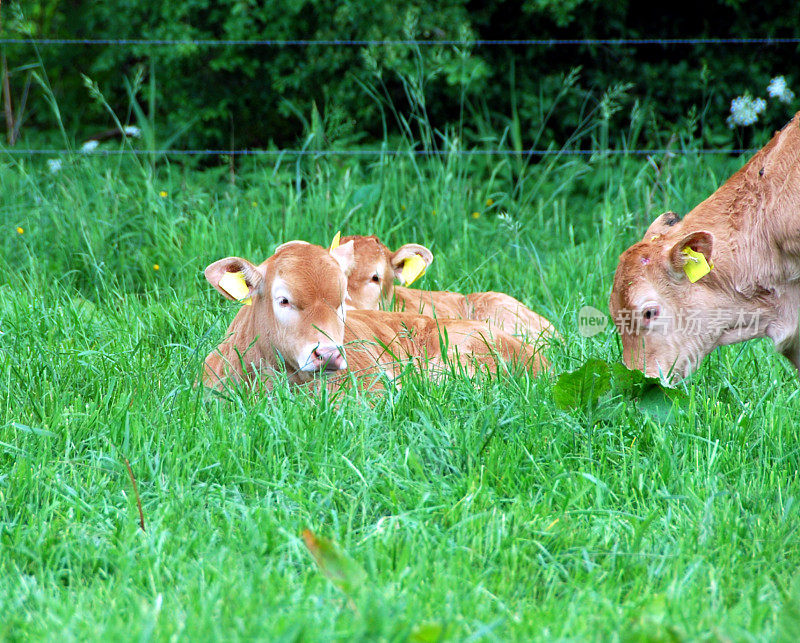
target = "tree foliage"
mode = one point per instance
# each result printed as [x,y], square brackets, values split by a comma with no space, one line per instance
[249,96]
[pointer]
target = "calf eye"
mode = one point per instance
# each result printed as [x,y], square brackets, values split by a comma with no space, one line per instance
[376,279]
[650,314]
[283,302]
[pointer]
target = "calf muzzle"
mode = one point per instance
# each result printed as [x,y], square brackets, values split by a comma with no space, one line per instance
[328,358]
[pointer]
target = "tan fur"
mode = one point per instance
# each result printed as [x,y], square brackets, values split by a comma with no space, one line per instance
[750,230]
[260,343]
[379,341]
[374,260]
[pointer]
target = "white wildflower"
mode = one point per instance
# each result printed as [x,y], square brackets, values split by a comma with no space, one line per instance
[745,110]
[132,130]
[89,146]
[777,89]
[509,223]
[54,165]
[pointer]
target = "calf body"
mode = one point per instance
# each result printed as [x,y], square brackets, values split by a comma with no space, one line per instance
[371,287]
[385,342]
[297,323]
[748,232]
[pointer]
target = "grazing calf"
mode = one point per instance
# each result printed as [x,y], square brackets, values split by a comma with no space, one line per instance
[296,321]
[371,287]
[727,272]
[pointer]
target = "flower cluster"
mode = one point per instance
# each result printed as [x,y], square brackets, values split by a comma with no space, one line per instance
[745,109]
[777,89]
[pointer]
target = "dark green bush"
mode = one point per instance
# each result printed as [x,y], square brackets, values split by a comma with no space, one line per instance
[252,96]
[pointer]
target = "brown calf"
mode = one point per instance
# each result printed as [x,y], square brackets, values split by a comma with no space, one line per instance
[297,322]
[748,233]
[371,287]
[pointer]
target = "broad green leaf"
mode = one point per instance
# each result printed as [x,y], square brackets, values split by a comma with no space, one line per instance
[584,386]
[631,382]
[342,570]
[427,632]
[651,396]
[657,403]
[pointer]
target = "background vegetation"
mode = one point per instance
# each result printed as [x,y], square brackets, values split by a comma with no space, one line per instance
[254,96]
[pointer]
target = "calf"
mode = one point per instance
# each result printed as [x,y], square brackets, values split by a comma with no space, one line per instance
[727,272]
[371,287]
[296,321]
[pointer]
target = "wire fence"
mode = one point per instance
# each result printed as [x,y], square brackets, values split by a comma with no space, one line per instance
[376,152]
[546,42]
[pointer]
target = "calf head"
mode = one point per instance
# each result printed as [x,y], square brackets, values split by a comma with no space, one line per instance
[297,299]
[667,322]
[371,282]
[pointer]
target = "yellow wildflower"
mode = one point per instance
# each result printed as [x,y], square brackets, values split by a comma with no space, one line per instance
[476,215]
[156,266]
[433,212]
[162,194]
[489,202]
[20,230]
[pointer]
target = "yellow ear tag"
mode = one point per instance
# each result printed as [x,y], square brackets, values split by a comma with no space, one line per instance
[335,242]
[234,284]
[696,267]
[413,269]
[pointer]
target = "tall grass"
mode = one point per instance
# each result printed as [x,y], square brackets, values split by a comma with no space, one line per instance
[479,511]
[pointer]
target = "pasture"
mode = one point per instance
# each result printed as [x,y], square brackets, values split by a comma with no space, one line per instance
[473,511]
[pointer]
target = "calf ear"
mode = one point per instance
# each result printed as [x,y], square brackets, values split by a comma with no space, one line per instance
[403,254]
[345,257]
[239,278]
[700,242]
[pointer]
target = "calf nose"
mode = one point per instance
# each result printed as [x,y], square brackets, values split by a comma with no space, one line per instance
[328,357]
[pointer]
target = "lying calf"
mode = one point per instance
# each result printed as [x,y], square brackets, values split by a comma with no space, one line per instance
[727,272]
[295,319]
[371,287]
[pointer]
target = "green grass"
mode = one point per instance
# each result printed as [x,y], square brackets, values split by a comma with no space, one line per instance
[477,510]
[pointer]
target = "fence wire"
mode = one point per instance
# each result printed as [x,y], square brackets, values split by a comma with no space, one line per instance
[546,42]
[373,153]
